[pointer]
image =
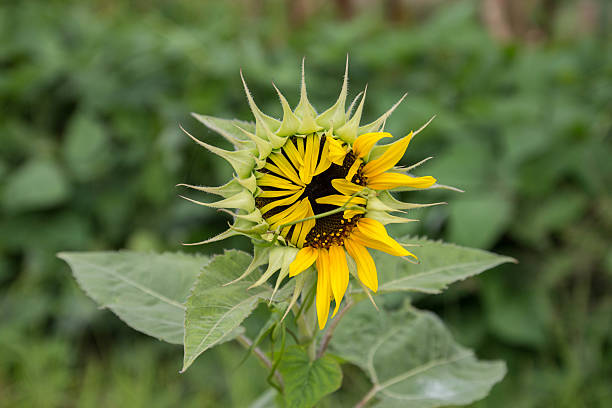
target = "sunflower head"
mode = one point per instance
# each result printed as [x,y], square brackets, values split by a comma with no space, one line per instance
[312,188]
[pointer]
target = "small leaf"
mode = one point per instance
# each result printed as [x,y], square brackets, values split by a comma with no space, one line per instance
[306,382]
[412,359]
[440,264]
[215,310]
[147,291]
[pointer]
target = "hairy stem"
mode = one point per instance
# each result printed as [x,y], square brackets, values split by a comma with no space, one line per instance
[248,343]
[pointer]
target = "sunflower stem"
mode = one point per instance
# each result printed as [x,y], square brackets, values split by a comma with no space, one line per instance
[248,343]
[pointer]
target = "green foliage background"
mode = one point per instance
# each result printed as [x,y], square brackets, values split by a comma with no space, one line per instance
[91,95]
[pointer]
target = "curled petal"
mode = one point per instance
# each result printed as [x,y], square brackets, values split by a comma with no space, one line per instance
[390,157]
[365,142]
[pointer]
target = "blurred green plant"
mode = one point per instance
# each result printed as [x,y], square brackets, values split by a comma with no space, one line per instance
[524,129]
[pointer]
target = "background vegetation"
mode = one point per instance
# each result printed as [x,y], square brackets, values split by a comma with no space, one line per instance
[91,95]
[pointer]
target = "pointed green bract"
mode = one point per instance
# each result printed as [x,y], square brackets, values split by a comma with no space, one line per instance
[227,128]
[335,116]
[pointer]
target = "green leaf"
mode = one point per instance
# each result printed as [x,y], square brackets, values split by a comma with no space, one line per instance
[215,311]
[306,382]
[412,359]
[440,264]
[147,291]
[36,185]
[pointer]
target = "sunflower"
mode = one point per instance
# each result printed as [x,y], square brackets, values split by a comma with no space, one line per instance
[311,189]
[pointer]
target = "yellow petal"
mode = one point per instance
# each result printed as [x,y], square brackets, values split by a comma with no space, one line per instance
[346,187]
[366,268]
[340,200]
[392,155]
[372,234]
[323,287]
[275,193]
[387,181]
[287,169]
[296,158]
[306,225]
[364,143]
[311,155]
[348,214]
[324,163]
[304,258]
[353,169]
[268,180]
[339,274]
[285,201]
[336,151]
[288,215]
[300,146]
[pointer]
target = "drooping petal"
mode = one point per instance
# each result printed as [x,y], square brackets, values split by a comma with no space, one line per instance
[339,274]
[346,187]
[372,234]
[366,268]
[340,200]
[304,258]
[390,157]
[387,181]
[364,143]
[323,287]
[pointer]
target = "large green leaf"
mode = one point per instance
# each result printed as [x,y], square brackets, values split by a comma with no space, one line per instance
[412,359]
[306,382]
[147,291]
[214,311]
[440,264]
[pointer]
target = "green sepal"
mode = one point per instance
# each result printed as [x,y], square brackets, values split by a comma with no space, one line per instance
[378,123]
[243,200]
[227,128]
[229,189]
[335,116]
[348,132]
[291,122]
[242,161]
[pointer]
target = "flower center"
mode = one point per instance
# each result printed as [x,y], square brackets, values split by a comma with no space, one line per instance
[328,230]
